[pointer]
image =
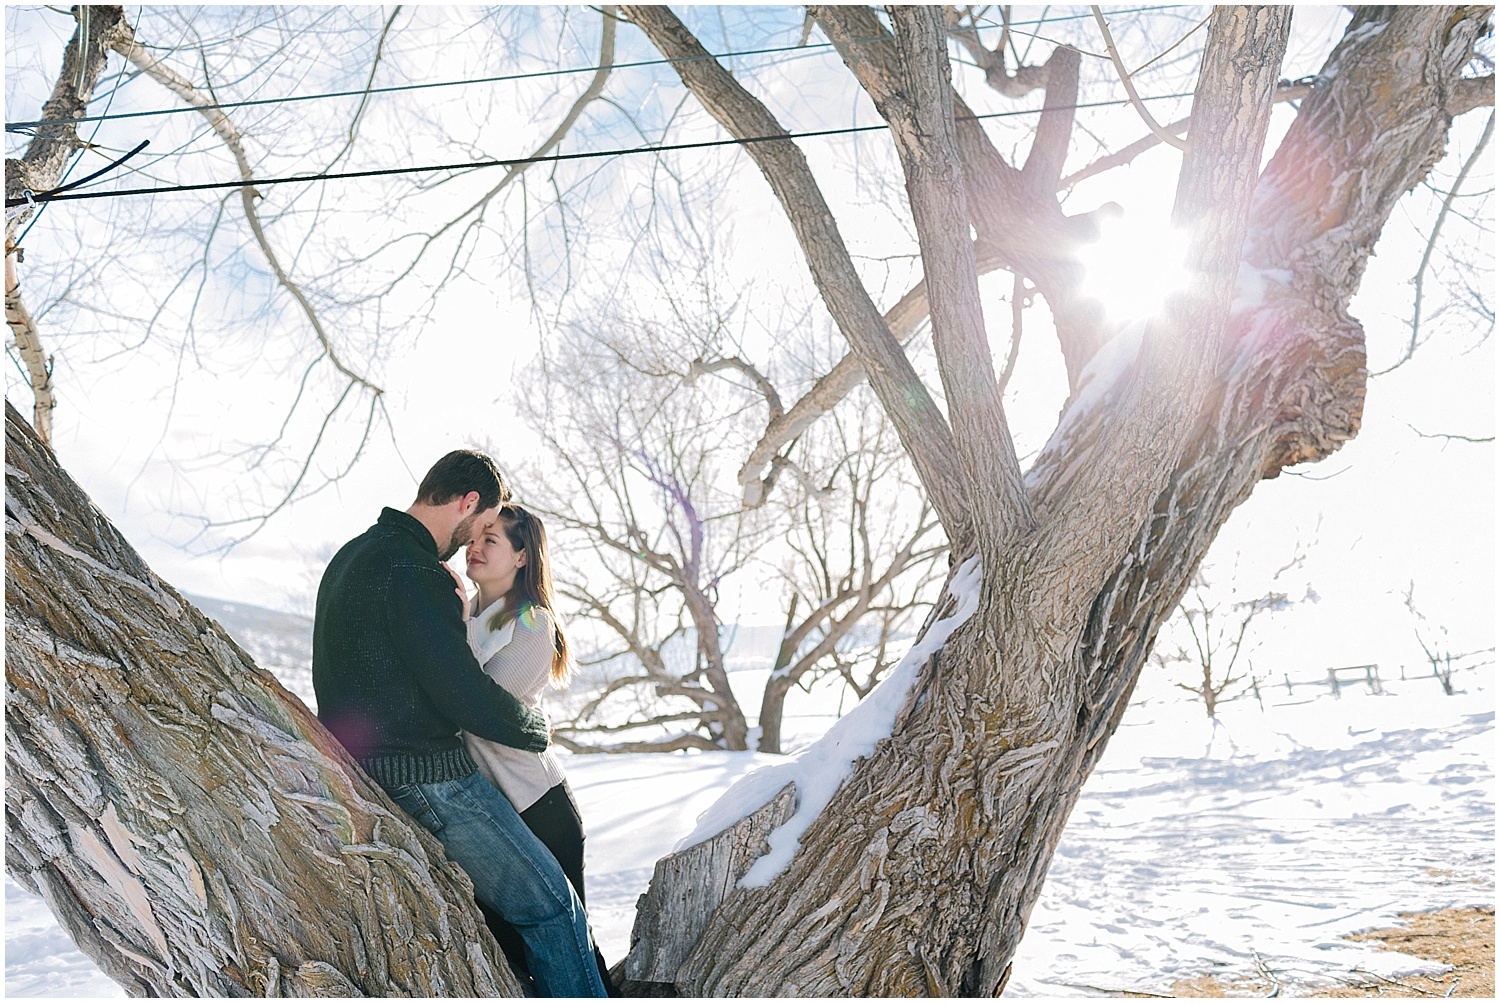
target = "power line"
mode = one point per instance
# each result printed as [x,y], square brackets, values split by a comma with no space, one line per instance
[397,88]
[46,197]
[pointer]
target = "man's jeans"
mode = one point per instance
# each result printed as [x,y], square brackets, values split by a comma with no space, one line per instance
[513,873]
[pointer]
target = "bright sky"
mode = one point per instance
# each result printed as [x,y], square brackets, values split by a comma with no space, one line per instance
[1392,509]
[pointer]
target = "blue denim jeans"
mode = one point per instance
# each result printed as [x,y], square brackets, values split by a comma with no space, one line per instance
[513,873]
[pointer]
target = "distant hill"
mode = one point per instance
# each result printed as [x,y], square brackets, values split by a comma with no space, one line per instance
[280,643]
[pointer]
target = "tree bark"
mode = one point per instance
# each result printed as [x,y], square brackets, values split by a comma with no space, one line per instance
[29,345]
[920,874]
[192,826]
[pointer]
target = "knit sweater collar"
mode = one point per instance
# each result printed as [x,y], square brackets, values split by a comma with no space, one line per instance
[396,519]
[483,641]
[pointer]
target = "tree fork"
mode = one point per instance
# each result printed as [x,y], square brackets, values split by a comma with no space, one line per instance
[886,895]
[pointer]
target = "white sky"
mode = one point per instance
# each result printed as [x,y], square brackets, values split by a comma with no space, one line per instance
[1390,509]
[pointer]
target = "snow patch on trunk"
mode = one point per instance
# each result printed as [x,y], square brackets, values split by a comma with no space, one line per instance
[1098,379]
[821,768]
[1251,285]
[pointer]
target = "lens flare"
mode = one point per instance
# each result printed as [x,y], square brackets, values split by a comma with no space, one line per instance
[1134,267]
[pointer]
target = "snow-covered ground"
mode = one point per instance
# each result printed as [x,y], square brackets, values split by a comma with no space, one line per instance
[1195,846]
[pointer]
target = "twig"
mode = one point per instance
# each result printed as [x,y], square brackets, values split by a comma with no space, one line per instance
[1396,982]
[1441,435]
[1420,277]
[1265,970]
[1135,99]
[1122,992]
[364,99]
[1018,299]
[1168,50]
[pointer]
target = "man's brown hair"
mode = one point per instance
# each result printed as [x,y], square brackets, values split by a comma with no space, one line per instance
[460,472]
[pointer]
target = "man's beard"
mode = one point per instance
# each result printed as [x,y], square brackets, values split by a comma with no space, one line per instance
[462,534]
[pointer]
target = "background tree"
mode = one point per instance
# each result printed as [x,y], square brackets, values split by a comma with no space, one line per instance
[652,532]
[1217,632]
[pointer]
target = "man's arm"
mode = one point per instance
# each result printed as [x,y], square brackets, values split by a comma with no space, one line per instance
[427,630]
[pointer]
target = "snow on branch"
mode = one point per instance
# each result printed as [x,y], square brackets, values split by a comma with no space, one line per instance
[820,769]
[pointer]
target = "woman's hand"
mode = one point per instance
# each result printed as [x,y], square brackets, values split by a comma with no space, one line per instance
[463,597]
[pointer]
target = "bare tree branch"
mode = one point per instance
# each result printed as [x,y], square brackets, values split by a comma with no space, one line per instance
[207,107]
[962,24]
[29,345]
[904,319]
[1135,99]
[1418,279]
[687,740]
[764,386]
[1122,156]
[1470,93]
[921,119]
[365,98]
[1450,438]
[1049,145]
[590,93]
[41,168]
[1018,300]
[909,403]
[1284,92]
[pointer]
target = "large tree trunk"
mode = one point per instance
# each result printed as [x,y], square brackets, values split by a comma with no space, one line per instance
[190,823]
[919,876]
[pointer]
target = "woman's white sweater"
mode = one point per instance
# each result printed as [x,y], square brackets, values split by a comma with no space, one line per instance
[518,656]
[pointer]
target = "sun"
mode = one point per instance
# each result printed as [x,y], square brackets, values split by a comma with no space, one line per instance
[1134,266]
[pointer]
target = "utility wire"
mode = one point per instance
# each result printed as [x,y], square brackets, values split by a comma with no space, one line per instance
[396,88]
[45,197]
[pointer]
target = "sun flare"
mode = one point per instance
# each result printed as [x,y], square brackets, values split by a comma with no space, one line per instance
[1134,266]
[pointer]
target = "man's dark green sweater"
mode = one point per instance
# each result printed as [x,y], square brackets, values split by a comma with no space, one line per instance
[392,668]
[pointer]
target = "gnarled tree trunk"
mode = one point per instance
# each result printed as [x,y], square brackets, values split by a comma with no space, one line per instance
[190,823]
[920,874]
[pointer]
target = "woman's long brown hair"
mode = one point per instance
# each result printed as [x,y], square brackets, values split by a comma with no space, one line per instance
[533,586]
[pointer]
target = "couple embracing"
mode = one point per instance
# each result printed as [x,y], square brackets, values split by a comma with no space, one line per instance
[438,699]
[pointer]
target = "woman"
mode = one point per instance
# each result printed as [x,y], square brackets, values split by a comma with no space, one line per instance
[522,647]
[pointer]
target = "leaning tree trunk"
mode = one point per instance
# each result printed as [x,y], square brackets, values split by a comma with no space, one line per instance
[919,876]
[190,823]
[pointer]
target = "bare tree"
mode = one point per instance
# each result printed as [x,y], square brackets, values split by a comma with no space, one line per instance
[328,304]
[1217,632]
[652,534]
[863,571]
[917,875]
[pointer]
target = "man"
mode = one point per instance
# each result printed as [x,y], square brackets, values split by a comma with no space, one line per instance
[396,681]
